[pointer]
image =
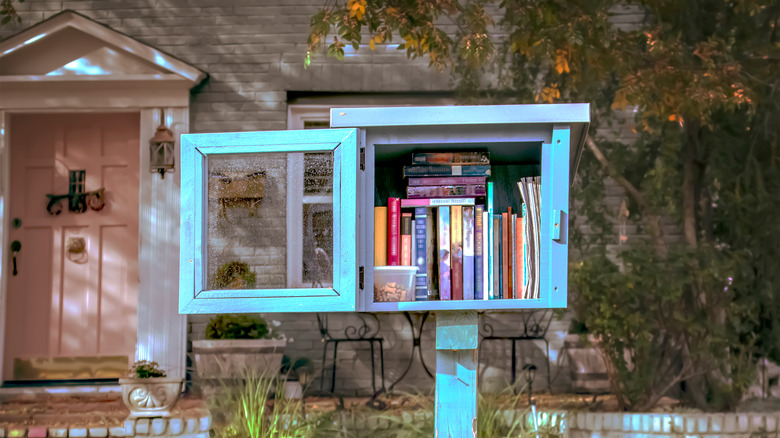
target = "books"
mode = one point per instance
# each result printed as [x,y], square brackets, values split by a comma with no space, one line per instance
[451,157]
[431,251]
[468,253]
[421,260]
[450,191]
[456,251]
[490,253]
[431,202]
[380,236]
[446,180]
[530,190]
[393,231]
[454,170]
[406,239]
[443,233]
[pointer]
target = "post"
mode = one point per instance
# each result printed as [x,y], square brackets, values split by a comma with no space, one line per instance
[456,373]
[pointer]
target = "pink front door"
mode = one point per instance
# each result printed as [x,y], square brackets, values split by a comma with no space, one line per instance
[74,294]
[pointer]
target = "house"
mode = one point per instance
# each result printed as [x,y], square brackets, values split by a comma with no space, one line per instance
[84,86]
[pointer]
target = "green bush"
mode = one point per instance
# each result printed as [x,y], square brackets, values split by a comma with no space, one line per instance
[237,327]
[144,369]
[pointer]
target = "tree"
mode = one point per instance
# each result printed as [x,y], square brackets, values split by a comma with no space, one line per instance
[702,79]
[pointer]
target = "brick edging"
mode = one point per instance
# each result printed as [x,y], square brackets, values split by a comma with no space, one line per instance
[587,424]
[188,427]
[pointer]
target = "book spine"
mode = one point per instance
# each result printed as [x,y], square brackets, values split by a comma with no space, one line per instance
[510,257]
[491,253]
[451,191]
[469,170]
[456,251]
[525,249]
[393,231]
[406,239]
[450,158]
[520,257]
[505,261]
[486,249]
[380,236]
[435,202]
[446,180]
[431,251]
[421,260]
[515,258]
[479,253]
[443,237]
[499,257]
[468,253]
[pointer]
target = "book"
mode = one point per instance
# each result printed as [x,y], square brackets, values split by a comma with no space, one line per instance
[486,249]
[443,238]
[446,180]
[451,158]
[505,261]
[514,291]
[456,251]
[479,251]
[431,251]
[510,230]
[520,268]
[451,191]
[497,257]
[530,190]
[406,239]
[444,170]
[393,231]
[435,202]
[468,253]
[380,236]
[421,259]
[491,253]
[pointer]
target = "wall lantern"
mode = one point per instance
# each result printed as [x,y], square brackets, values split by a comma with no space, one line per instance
[161,149]
[529,371]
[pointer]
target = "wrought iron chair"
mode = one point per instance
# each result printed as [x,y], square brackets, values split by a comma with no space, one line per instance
[535,326]
[363,331]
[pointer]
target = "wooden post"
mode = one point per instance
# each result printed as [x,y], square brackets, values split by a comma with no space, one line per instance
[456,373]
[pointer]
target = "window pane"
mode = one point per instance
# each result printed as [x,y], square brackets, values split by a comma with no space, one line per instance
[249,245]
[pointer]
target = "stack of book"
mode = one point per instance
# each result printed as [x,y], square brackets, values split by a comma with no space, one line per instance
[446,226]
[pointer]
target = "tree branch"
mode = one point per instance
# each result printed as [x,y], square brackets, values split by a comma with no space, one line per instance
[653,220]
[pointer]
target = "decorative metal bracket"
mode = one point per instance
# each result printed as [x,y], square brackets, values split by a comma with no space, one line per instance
[78,199]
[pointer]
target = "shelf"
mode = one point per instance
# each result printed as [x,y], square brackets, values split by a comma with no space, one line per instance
[423,306]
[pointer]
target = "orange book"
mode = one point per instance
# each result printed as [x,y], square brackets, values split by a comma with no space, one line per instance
[519,272]
[406,239]
[380,236]
[505,260]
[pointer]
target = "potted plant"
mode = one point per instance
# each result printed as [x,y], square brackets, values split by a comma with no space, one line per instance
[236,345]
[148,392]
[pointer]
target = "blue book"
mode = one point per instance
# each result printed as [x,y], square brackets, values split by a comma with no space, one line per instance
[443,252]
[468,253]
[478,253]
[421,261]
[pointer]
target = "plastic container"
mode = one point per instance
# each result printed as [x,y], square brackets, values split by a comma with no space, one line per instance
[394,283]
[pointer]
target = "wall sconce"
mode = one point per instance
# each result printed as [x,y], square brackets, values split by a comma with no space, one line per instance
[161,149]
[529,371]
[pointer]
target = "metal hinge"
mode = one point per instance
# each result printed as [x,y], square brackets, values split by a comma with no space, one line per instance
[361,276]
[362,159]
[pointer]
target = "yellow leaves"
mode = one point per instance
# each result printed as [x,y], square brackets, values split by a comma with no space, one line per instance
[549,94]
[376,39]
[357,8]
[561,61]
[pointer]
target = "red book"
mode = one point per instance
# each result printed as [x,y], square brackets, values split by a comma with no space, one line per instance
[505,261]
[456,240]
[406,239]
[393,231]
[510,230]
[446,180]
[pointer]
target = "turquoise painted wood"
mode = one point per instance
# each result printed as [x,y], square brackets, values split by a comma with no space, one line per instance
[555,208]
[196,148]
[456,373]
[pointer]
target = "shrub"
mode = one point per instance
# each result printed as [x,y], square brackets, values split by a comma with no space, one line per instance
[237,327]
[144,369]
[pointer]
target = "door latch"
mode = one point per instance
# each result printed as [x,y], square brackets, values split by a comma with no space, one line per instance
[16,246]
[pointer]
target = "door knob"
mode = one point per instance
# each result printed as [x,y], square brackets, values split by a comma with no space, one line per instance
[16,246]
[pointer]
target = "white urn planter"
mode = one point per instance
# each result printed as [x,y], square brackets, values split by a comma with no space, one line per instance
[151,396]
[238,358]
